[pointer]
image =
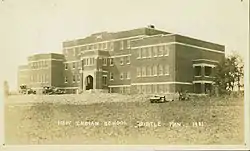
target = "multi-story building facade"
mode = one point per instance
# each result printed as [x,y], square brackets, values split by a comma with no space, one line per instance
[144,60]
[42,70]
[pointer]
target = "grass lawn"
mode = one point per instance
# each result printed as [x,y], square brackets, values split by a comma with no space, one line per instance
[223,123]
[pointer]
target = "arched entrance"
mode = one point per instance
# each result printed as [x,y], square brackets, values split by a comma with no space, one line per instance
[89,82]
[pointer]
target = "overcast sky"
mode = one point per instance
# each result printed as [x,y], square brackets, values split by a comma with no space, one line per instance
[38,26]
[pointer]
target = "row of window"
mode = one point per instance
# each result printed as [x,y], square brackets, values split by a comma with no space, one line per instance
[105,61]
[39,78]
[74,65]
[207,70]
[123,76]
[153,88]
[122,90]
[75,78]
[39,64]
[99,46]
[154,51]
[153,70]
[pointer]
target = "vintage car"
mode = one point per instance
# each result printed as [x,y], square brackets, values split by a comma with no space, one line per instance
[52,90]
[159,99]
[25,90]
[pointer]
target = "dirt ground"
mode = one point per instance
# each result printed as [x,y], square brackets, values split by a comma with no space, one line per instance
[201,121]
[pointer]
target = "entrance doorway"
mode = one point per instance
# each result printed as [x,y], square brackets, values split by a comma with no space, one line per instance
[89,82]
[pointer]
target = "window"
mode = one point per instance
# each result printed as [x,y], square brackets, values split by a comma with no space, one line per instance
[121,90]
[31,78]
[155,88]
[105,60]
[144,52]
[166,88]
[138,72]
[143,88]
[111,45]
[121,45]
[96,46]
[90,61]
[138,87]
[47,78]
[41,78]
[166,50]
[121,61]
[160,70]
[111,61]
[90,47]
[125,75]
[73,65]
[208,71]
[128,90]
[128,75]
[121,76]
[66,80]
[111,76]
[166,69]
[160,50]
[41,64]
[105,45]
[161,88]
[139,53]
[74,78]
[78,78]
[208,88]
[149,52]
[77,51]
[84,62]
[87,61]
[143,71]
[66,66]
[80,64]
[128,44]
[104,79]
[99,46]
[197,70]
[111,90]
[155,51]
[102,46]
[149,89]
[45,64]
[83,48]
[154,70]
[149,71]
[65,52]
[128,59]
[74,52]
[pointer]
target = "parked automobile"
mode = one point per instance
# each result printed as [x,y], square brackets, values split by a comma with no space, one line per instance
[52,90]
[159,99]
[25,90]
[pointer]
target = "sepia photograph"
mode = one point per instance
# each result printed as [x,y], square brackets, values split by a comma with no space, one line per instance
[125,72]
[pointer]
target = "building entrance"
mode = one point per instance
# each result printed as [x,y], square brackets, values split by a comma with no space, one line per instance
[89,82]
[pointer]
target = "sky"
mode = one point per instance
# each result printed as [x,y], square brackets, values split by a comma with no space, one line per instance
[39,26]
